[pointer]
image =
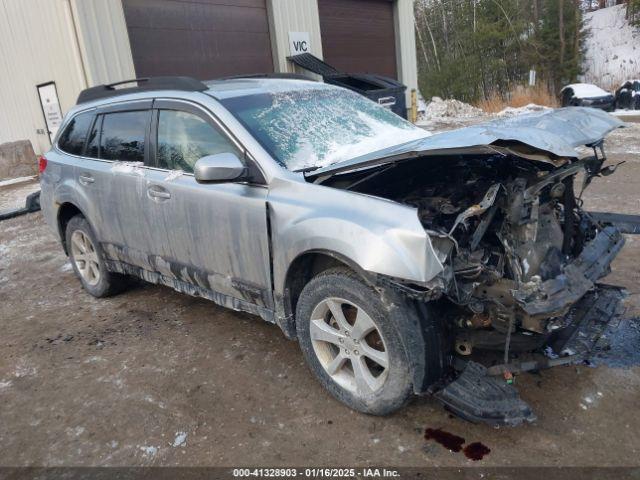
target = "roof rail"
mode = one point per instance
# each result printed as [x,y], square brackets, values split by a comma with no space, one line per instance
[284,76]
[187,84]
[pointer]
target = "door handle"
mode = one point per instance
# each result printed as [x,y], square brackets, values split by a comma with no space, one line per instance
[86,179]
[155,191]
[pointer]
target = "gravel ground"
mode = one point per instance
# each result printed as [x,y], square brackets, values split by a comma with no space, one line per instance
[153,377]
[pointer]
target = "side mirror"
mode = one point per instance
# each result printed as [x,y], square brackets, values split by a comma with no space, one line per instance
[222,167]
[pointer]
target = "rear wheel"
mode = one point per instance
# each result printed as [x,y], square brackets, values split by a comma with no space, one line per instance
[87,260]
[352,344]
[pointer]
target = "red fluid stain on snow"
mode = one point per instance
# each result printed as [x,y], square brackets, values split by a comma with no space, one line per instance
[476,451]
[447,440]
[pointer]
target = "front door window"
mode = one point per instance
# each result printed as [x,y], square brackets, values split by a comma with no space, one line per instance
[184,138]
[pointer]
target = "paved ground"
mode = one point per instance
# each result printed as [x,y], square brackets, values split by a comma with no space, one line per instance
[152,377]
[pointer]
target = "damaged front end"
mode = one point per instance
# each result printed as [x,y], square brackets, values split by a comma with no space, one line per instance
[519,290]
[517,248]
[521,264]
[522,256]
[522,271]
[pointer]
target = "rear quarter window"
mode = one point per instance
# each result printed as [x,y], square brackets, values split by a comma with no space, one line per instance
[74,135]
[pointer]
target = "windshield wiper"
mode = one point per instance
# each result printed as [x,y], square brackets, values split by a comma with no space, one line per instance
[306,169]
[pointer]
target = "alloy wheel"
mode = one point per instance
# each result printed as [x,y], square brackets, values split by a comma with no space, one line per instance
[349,346]
[85,257]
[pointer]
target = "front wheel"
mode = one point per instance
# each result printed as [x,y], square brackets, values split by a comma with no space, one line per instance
[351,343]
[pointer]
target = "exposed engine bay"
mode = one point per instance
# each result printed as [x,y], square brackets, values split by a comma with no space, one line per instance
[516,284]
[518,250]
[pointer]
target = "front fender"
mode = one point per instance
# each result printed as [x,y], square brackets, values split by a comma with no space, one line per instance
[377,235]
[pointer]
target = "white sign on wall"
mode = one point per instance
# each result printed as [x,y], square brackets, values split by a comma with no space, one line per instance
[299,42]
[50,108]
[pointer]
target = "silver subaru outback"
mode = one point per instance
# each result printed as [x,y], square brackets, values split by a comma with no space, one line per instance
[403,262]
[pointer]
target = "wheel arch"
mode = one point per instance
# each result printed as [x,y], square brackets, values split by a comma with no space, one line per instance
[66,211]
[301,270]
[419,327]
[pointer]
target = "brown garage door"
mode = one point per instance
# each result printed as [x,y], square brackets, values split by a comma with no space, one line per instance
[358,35]
[205,39]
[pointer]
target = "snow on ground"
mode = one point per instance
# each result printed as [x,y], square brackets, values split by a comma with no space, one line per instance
[439,108]
[513,111]
[446,114]
[612,48]
[14,196]
[627,113]
[442,115]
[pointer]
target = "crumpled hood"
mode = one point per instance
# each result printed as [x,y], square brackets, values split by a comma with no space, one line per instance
[553,132]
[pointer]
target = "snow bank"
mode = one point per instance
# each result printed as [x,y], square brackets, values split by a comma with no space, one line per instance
[439,109]
[612,48]
[513,111]
[451,108]
[627,113]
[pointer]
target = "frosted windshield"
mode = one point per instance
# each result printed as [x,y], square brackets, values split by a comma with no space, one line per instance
[319,127]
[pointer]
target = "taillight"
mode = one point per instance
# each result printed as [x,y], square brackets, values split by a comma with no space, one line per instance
[42,164]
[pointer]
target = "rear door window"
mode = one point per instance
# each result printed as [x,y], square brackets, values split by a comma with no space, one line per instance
[184,138]
[74,136]
[123,136]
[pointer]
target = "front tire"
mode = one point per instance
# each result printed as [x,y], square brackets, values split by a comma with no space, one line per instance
[351,343]
[87,260]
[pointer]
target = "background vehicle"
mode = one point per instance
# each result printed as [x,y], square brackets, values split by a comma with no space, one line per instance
[628,96]
[587,95]
[390,255]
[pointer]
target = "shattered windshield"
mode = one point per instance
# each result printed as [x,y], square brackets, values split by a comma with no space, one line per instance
[320,126]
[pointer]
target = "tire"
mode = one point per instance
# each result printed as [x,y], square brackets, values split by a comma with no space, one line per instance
[342,290]
[92,272]
[625,100]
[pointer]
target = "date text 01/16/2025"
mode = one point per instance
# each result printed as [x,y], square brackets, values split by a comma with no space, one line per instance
[315,472]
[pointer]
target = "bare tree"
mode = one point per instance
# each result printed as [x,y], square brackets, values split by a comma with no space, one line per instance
[563,45]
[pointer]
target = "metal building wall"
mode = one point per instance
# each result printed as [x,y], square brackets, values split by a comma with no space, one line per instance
[292,16]
[406,45]
[302,16]
[37,45]
[80,43]
[74,43]
[103,40]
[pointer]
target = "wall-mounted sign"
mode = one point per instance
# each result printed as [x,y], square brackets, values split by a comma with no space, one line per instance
[50,108]
[299,42]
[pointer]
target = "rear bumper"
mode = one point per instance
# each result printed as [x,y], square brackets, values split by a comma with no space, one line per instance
[557,295]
